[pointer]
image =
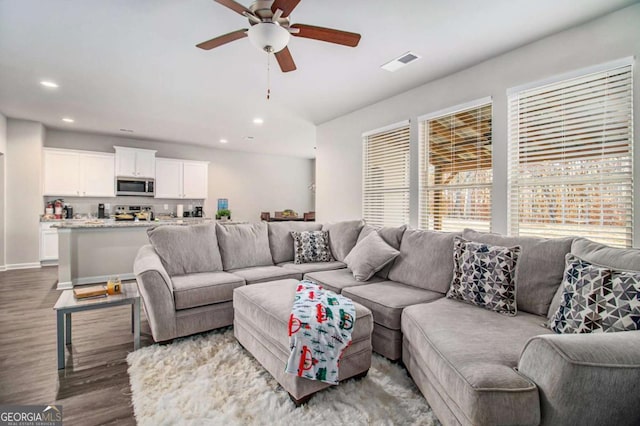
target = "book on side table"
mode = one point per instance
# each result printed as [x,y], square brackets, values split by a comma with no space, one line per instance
[90,292]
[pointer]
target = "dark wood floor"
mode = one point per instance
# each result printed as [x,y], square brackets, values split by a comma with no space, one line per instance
[94,388]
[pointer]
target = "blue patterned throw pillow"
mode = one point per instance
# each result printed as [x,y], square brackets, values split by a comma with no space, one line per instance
[597,299]
[311,246]
[484,275]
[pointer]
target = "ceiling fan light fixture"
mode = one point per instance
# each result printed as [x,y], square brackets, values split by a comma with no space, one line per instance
[269,36]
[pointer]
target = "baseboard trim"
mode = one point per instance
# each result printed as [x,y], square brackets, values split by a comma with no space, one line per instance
[3,268]
[101,279]
[45,263]
[64,286]
[22,266]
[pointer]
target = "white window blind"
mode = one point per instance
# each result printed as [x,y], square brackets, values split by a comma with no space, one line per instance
[570,158]
[386,176]
[456,170]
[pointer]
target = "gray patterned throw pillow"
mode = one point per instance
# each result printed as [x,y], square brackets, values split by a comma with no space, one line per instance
[311,246]
[484,275]
[597,299]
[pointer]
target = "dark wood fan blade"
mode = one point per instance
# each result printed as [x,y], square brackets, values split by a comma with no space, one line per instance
[327,34]
[285,60]
[223,39]
[235,6]
[286,6]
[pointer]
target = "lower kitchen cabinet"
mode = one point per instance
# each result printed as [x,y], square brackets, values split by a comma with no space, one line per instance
[48,243]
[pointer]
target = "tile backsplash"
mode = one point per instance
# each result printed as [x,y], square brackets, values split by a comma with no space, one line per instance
[89,205]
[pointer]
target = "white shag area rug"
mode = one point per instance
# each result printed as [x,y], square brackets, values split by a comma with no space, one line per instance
[210,379]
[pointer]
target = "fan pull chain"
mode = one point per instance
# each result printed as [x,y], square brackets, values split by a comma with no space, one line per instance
[268,76]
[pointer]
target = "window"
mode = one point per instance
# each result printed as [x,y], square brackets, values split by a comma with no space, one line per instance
[456,169]
[570,158]
[386,176]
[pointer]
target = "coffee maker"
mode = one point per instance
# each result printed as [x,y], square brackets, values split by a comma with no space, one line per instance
[198,212]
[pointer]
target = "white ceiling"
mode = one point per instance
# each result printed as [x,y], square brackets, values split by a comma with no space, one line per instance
[133,63]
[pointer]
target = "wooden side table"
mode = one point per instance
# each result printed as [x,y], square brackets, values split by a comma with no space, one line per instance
[67,304]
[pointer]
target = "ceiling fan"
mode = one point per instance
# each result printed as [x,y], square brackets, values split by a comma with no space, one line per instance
[270,30]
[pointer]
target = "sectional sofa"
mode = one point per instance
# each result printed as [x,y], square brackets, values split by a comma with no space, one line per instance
[474,366]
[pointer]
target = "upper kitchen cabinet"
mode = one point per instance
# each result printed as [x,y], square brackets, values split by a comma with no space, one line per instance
[78,173]
[134,162]
[181,179]
[61,172]
[195,179]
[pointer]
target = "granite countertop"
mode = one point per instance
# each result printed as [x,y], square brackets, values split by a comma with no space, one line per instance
[110,223]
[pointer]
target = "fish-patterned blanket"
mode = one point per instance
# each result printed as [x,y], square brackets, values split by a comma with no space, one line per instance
[320,329]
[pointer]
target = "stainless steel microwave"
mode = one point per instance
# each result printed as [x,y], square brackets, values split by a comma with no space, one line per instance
[141,187]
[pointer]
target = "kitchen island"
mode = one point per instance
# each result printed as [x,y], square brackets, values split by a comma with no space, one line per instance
[92,251]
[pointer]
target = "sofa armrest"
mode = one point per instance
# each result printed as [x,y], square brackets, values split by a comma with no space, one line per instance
[156,291]
[586,379]
[148,260]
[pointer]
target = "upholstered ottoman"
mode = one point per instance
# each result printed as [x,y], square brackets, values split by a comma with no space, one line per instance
[261,321]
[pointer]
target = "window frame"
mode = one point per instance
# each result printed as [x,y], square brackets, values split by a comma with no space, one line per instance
[402,126]
[513,147]
[423,187]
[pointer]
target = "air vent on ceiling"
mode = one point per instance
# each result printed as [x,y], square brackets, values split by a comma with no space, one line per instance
[401,61]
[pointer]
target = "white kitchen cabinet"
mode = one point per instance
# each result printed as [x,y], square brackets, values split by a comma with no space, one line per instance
[181,179]
[61,172]
[78,173]
[168,178]
[98,171]
[48,243]
[134,162]
[195,179]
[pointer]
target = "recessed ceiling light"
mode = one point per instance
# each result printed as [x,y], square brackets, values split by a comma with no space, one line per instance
[68,120]
[49,84]
[223,141]
[249,138]
[258,120]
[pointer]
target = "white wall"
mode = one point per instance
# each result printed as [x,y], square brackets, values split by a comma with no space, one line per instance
[23,171]
[3,150]
[339,142]
[252,182]
[3,134]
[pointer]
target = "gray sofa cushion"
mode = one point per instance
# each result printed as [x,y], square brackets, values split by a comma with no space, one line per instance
[425,261]
[387,299]
[343,237]
[190,291]
[186,249]
[245,245]
[540,267]
[259,274]
[391,235]
[604,255]
[280,240]
[305,268]
[369,256]
[338,279]
[471,353]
